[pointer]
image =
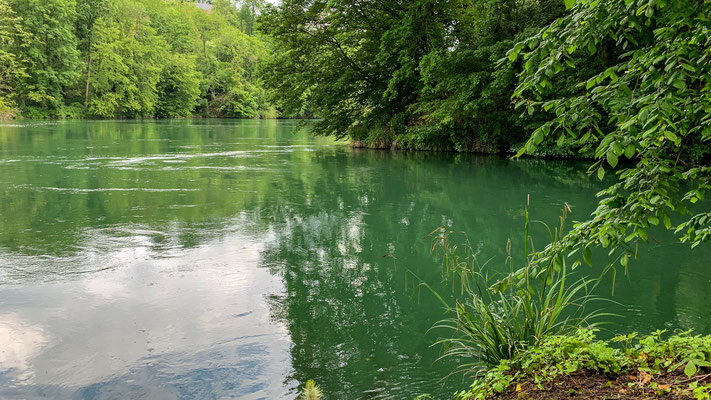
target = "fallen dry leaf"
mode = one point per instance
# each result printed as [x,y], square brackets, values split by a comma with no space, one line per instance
[644,377]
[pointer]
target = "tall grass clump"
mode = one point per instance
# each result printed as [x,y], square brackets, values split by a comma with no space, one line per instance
[497,316]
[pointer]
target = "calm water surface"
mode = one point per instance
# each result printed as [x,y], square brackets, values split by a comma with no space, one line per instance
[234,259]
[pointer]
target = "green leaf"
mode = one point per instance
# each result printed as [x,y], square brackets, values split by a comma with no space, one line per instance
[600,173]
[671,136]
[591,47]
[530,147]
[617,148]
[690,369]
[569,4]
[688,67]
[611,158]
[629,151]
[642,234]
[649,12]
[587,256]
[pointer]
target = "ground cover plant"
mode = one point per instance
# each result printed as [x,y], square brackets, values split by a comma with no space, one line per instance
[625,367]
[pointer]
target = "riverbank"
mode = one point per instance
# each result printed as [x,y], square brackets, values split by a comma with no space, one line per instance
[582,152]
[623,368]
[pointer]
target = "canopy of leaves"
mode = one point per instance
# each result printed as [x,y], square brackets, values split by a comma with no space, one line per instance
[12,69]
[130,58]
[422,72]
[49,55]
[647,108]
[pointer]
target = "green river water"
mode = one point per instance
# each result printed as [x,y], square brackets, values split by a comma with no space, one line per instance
[214,259]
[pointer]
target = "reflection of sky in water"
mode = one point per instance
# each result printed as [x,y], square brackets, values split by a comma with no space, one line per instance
[194,324]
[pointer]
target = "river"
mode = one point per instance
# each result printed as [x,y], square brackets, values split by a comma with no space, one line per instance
[210,259]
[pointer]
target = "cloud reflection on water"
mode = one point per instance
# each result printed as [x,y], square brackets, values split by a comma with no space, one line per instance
[194,324]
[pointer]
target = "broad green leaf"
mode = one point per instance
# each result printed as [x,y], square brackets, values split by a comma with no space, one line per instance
[671,136]
[617,148]
[690,369]
[688,67]
[629,151]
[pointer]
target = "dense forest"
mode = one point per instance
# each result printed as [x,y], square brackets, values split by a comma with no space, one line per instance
[418,74]
[443,74]
[130,59]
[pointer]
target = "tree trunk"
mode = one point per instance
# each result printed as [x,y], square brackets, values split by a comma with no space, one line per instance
[88,83]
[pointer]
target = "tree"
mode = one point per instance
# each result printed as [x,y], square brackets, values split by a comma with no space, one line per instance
[649,102]
[88,12]
[12,70]
[129,60]
[419,73]
[51,54]
[178,87]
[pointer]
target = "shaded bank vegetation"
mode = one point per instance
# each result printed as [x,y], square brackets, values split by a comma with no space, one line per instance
[577,365]
[420,73]
[130,58]
[472,75]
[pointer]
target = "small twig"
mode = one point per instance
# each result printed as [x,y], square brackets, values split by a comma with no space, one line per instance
[695,378]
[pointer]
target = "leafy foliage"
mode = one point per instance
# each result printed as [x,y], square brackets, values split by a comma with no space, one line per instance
[648,103]
[561,355]
[12,68]
[130,58]
[128,55]
[49,55]
[420,73]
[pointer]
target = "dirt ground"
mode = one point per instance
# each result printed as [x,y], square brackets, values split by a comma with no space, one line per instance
[586,385]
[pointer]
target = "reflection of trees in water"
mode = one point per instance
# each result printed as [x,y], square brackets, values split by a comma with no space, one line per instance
[73,177]
[350,318]
[352,323]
